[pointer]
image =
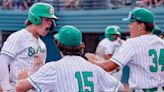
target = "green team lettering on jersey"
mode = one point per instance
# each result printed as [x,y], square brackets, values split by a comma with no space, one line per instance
[157,60]
[31,51]
[82,79]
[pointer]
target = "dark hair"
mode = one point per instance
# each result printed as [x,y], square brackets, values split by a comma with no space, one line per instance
[148,26]
[27,22]
[70,50]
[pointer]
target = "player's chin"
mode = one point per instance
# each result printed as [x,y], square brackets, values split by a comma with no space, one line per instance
[44,33]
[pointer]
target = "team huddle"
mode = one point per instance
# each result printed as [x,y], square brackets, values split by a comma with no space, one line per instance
[25,54]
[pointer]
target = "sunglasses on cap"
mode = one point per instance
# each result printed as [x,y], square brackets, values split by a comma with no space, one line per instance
[131,18]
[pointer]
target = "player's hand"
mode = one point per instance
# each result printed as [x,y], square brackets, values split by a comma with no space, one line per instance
[23,74]
[0,88]
[91,57]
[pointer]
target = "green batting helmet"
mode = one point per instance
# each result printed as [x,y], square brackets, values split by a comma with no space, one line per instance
[140,14]
[156,30]
[39,10]
[69,36]
[111,30]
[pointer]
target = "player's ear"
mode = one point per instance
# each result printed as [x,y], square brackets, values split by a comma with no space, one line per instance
[141,26]
[82,46]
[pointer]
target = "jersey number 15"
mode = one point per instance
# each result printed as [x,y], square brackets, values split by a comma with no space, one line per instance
[82,79]
[157,60]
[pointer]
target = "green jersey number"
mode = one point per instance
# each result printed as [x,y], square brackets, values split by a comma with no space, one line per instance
[157,60]
[82,79]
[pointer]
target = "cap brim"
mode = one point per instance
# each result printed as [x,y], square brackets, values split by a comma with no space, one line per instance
[126,19]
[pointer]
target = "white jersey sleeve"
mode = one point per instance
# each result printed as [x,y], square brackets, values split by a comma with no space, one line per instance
[12,45]
[125,54]
[108,48]
[4,71]
[43,79]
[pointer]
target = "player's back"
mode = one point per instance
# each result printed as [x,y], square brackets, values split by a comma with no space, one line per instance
[75,74]
[78,75]
[72,71]
[148,51]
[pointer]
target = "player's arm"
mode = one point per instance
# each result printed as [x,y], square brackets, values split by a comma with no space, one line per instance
[39,81]
[107,65]
[4,76]
[23,86]
[108,56]
[0,88]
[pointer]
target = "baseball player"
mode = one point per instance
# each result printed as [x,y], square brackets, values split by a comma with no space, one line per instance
[71,73]
[109,45]
[143,53]
[24,50]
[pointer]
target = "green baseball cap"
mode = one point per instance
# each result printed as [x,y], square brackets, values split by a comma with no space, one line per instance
[140,14]
[69,36]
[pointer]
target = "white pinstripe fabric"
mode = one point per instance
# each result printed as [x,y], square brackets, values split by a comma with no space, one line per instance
[106,47]
[17,46]
[60,76]
[135,53]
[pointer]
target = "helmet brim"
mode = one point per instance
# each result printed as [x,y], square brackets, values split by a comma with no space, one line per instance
[54,17]
[56,36]
[50,16]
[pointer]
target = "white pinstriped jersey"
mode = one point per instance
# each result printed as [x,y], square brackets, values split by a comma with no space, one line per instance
[145,57]
[26,51]
[106,47]
[72,74]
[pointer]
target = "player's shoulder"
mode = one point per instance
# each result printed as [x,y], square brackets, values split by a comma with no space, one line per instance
[50,65]
[95,68]
[158,38]
[130,40]
[139,38]
[105,41]
[122,40]
[17,34]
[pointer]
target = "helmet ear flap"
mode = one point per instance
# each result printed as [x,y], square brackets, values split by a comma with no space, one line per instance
[34,19]
[110,37]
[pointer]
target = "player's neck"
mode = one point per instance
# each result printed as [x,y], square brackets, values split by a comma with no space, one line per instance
[32,30]
[145,33]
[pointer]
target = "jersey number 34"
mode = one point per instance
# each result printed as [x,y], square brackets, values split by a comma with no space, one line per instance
[82,78]
[157,60]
